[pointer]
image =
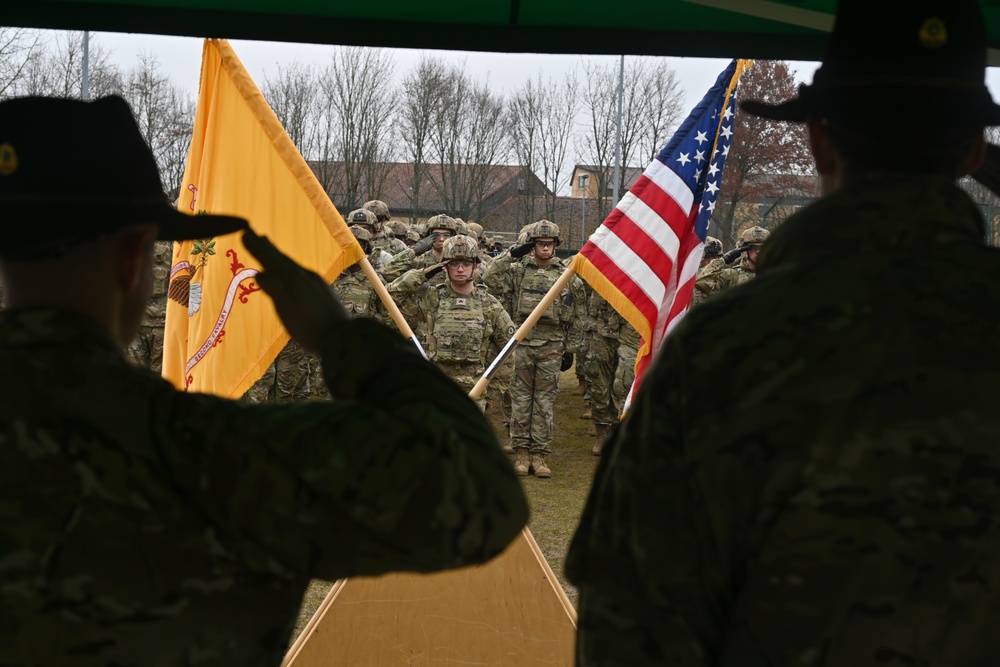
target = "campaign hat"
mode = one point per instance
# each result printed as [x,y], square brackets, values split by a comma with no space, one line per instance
[71,171]
[911,62]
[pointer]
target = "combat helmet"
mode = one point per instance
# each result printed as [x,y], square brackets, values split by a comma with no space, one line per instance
[363,236]
[360,216]
[522,236]
[378,207]
[754,236]
[543,229]
[713,247]
[461,247]
[461,227]
[396,227]
[442,221]
[475,230]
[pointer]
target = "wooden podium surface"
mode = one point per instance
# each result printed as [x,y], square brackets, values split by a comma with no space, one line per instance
[510,611]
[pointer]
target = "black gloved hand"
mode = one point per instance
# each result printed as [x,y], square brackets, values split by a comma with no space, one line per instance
[519,251]
[432,271]
[734,254]
[567,362]
[424,244]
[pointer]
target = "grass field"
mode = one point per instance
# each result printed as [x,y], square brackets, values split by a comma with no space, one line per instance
[556,503]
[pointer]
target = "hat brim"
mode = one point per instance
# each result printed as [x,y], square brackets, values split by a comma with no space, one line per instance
[922,105]
[177,226]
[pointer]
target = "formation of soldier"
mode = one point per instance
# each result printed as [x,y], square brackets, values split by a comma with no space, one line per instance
[463,294]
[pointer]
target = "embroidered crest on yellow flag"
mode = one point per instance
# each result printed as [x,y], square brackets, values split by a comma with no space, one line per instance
[221,331]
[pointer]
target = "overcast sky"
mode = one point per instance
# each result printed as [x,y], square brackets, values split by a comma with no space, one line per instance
[180,58]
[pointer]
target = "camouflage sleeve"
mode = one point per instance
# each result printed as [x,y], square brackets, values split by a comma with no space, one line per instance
[649,580]
[578,319]
[408,283]
[400,263]
[497,275]
[714,279]
[400,471]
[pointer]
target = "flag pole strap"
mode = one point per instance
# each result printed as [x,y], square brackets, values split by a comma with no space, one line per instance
[389,304]
[523,331]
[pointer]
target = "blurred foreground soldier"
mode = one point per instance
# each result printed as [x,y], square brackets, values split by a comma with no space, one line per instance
[834,499]
[143,525]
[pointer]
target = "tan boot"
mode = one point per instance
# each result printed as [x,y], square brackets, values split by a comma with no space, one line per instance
[580,390]
[522,463]
[508,447]
[588,414]
[538,464]
[603,431]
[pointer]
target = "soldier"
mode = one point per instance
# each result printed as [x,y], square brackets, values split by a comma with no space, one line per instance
[466,327]
[297,375]
[537,359]
[809,473]
[711,261]
[355,290]
[364,218]
[718,277]
[629,342]
[381,240]
[425,252]
[146,525]
[602,358]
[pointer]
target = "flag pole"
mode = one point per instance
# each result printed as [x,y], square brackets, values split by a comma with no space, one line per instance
[390,305]
[522,331]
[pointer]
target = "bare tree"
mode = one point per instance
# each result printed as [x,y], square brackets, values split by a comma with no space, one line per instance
[524,118]
[423,89]
[598,138]
[165,116]
[469,141]
[291,94]
[56,70]
[17,46]
[558,113]
[769,170]
[355,127]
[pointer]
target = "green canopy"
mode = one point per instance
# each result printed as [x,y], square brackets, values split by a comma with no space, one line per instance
[788,29]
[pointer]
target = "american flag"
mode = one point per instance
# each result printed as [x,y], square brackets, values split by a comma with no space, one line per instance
[644,257]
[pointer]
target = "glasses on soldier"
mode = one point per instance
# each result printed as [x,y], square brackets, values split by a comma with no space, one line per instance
[442,232]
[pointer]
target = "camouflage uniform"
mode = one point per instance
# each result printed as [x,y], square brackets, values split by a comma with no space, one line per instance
[463,333]
[146,351]
[602,355]
[144,525]
[297,375]
[836,501]
[718,276]
[537,358]
[629,341]
[388,244]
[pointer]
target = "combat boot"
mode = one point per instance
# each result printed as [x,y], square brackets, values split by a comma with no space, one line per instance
[523,462]
[580,390]
[603,431]
[588,414]
[538,464]
[508,447]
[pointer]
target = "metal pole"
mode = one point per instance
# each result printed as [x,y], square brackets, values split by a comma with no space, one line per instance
[583,208]
[618,140]
[85,83]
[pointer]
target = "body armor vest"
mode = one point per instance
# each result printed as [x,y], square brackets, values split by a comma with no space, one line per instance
[457,328]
